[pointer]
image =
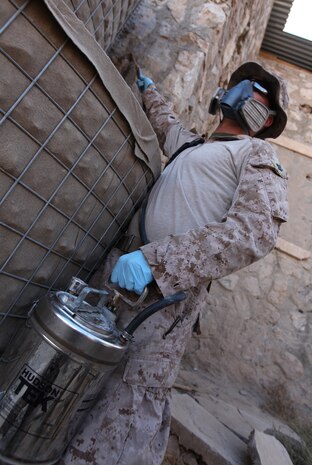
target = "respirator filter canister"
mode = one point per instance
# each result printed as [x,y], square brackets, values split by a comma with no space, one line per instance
[255,114]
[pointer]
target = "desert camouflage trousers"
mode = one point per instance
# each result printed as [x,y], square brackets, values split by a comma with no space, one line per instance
[130,423]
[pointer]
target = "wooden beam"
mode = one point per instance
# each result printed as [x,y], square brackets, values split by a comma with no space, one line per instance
[295,146]
[291,249]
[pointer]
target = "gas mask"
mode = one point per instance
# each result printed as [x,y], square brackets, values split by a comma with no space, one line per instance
[239,104]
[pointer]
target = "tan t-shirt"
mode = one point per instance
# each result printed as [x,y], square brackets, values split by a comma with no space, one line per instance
[196,188]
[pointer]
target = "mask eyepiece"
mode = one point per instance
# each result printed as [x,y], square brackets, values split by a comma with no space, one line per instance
[258,87]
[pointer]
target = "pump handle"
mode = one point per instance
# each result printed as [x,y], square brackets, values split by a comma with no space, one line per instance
[132,303]
[90,290]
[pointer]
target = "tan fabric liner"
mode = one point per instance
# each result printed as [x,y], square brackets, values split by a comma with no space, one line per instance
[147,148]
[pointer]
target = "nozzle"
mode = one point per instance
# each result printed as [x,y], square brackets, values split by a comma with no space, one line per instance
[137,67]
[76,285]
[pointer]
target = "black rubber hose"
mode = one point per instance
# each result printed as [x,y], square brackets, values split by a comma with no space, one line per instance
[153,308]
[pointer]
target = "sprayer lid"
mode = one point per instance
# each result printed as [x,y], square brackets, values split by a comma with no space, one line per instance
[74,325]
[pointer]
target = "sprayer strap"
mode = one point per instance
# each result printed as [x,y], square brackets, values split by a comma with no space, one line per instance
[185,146]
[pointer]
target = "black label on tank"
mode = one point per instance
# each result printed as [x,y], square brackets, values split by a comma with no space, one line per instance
[35,405]
[35,390]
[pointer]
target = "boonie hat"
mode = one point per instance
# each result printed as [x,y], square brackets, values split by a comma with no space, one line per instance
[277,90]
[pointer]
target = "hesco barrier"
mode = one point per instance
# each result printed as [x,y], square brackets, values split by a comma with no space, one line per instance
[102,18]
[77,152]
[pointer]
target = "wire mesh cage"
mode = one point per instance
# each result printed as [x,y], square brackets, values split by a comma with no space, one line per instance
[69,178]
[102,18]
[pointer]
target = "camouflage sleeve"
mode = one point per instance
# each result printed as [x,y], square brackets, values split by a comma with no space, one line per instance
[168,128]
[247,233]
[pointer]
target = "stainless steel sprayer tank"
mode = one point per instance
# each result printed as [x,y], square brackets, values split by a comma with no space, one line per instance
[65,354]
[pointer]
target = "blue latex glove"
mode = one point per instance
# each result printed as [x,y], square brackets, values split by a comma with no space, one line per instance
[132,272]
[143,82]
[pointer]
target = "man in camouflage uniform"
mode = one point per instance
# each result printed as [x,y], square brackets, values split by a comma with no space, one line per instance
[216,208]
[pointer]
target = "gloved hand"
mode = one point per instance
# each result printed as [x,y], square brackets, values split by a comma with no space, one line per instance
[143,82]
[132,272]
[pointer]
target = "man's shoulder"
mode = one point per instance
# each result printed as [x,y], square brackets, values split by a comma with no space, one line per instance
[262,150]
[264,155]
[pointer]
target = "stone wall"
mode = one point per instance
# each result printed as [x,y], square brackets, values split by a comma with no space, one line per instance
[256,331]
[189,47]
